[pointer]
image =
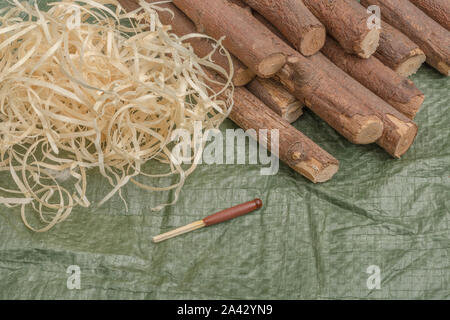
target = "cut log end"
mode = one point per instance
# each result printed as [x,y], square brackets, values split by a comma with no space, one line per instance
[313,41]
[316,171]
[412,64]
[327,173]
[371,130]
[294,111]
[407,133]
[443,68]
[406,141]
[242,77]
[369,44]
[271,65]
[416,103]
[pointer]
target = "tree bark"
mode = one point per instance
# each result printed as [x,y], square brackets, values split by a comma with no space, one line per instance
[398,134]
[182,25]
[346,21]
[294,21]
[398,52]
[295,149]
[311,86]
[399,131]
[398,91]
[277,98]
[269,26]
[431,37]
[222,18]
[438,10]
[309,81]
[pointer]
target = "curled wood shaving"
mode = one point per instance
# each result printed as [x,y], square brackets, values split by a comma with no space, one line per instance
[106,94]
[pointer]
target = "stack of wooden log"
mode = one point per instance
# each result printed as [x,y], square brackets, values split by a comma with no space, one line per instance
[325,55]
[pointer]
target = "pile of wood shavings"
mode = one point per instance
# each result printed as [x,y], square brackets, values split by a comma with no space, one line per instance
[86,85]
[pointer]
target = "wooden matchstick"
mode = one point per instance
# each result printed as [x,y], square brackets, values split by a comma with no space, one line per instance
[216,218]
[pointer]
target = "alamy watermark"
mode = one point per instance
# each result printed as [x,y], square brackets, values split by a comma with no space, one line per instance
[374,21]
[374,279]
[213,147]
[74,279]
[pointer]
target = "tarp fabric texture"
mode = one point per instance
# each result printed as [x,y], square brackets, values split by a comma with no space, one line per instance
[307,242]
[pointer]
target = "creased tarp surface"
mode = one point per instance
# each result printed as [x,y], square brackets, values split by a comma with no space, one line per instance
[309,241]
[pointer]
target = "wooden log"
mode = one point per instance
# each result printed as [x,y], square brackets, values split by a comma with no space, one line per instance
[269,26]
[277,98]
[182,25]
[295,149]
[222,18]
[399,92]
[346,21]
[431,37]
[398,52]
[399,131]
[309,66]
[309,82]
[438,10]
[294,21]
[311,85]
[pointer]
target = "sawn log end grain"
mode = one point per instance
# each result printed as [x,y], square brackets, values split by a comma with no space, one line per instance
[412,64]
[270,65]
[313,40]
[406,131]
[368,45]
[369,130]
[242,76]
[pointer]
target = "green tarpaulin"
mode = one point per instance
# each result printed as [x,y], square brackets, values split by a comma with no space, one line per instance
[309,241]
